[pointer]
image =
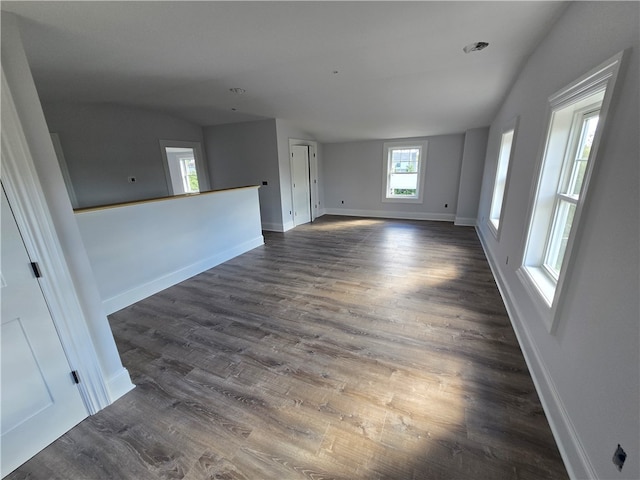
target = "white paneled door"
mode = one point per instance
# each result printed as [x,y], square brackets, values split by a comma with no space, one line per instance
[301,184]
[39,399]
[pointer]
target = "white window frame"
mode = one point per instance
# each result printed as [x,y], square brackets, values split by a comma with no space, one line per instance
[388,147]
[501,182]
[561,197]
[547,290]
[201,167]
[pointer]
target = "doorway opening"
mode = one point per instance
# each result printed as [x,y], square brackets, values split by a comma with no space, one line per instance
[304,181]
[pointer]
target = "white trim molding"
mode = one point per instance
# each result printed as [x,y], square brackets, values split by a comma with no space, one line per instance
[272,227]
[465,222]
[439,217]
[24,192]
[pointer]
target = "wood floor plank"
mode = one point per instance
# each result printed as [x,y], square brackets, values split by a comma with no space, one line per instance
[349,348]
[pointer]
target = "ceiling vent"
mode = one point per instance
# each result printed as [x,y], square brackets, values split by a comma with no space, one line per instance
[475,47]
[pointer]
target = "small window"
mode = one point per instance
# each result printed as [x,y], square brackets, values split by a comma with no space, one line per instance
[404,172]
[576,120]
[184,167]
[504,159]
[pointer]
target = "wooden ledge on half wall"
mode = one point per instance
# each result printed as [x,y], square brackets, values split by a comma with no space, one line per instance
[160,199]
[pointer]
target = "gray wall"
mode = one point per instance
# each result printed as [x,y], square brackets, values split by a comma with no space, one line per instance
[247,154]
[105,144]
[475,149]
[353,172]
[587,371]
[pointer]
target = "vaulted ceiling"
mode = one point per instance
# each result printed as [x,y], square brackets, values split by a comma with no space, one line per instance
[339,70]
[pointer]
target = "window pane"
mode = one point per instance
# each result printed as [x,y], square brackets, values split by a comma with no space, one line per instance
[189,175]
[557,245]
[403,180]
[182,169]
[404,160]
[588,132]
[579,167]
[501,176]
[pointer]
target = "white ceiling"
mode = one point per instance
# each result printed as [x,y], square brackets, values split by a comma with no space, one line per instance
[401,68]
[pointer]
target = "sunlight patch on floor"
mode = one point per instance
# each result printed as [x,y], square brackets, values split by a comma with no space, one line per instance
[346,224]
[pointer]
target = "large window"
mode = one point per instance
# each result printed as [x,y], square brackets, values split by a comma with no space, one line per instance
[570,185]
[404,172]
[576,121]
[507,144]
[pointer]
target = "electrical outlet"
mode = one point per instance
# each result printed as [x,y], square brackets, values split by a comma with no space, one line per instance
[619,457]
[264,182]
[342,202]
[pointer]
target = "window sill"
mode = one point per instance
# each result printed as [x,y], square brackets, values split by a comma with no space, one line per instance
[494,227]
[401,200]
[544,285]
[542,290]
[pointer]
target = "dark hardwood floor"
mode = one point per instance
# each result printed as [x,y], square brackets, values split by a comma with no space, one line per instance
[345,349]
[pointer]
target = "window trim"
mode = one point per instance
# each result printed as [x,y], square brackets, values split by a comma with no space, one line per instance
[511,126]
[422,167]
[547,293]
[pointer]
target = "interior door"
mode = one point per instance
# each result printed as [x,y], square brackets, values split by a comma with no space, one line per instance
[40,400]
[301,188]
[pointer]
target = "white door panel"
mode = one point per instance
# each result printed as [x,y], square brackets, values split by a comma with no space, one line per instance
[39,399]
[301,188]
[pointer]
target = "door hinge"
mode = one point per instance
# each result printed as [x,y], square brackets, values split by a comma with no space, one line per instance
[75,376]
[36,269]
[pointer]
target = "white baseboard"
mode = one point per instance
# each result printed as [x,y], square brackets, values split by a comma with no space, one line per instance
[288,225]
[129,297]
[119,384]
[272,227]
[442,217]
[571,449]
[465,222]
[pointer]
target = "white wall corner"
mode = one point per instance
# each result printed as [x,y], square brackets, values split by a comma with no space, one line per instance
[272,227]
[571,449]
[119,384]
[464,222]
[288,225]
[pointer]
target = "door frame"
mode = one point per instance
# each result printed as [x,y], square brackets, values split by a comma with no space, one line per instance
[25,194]
[313,173]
